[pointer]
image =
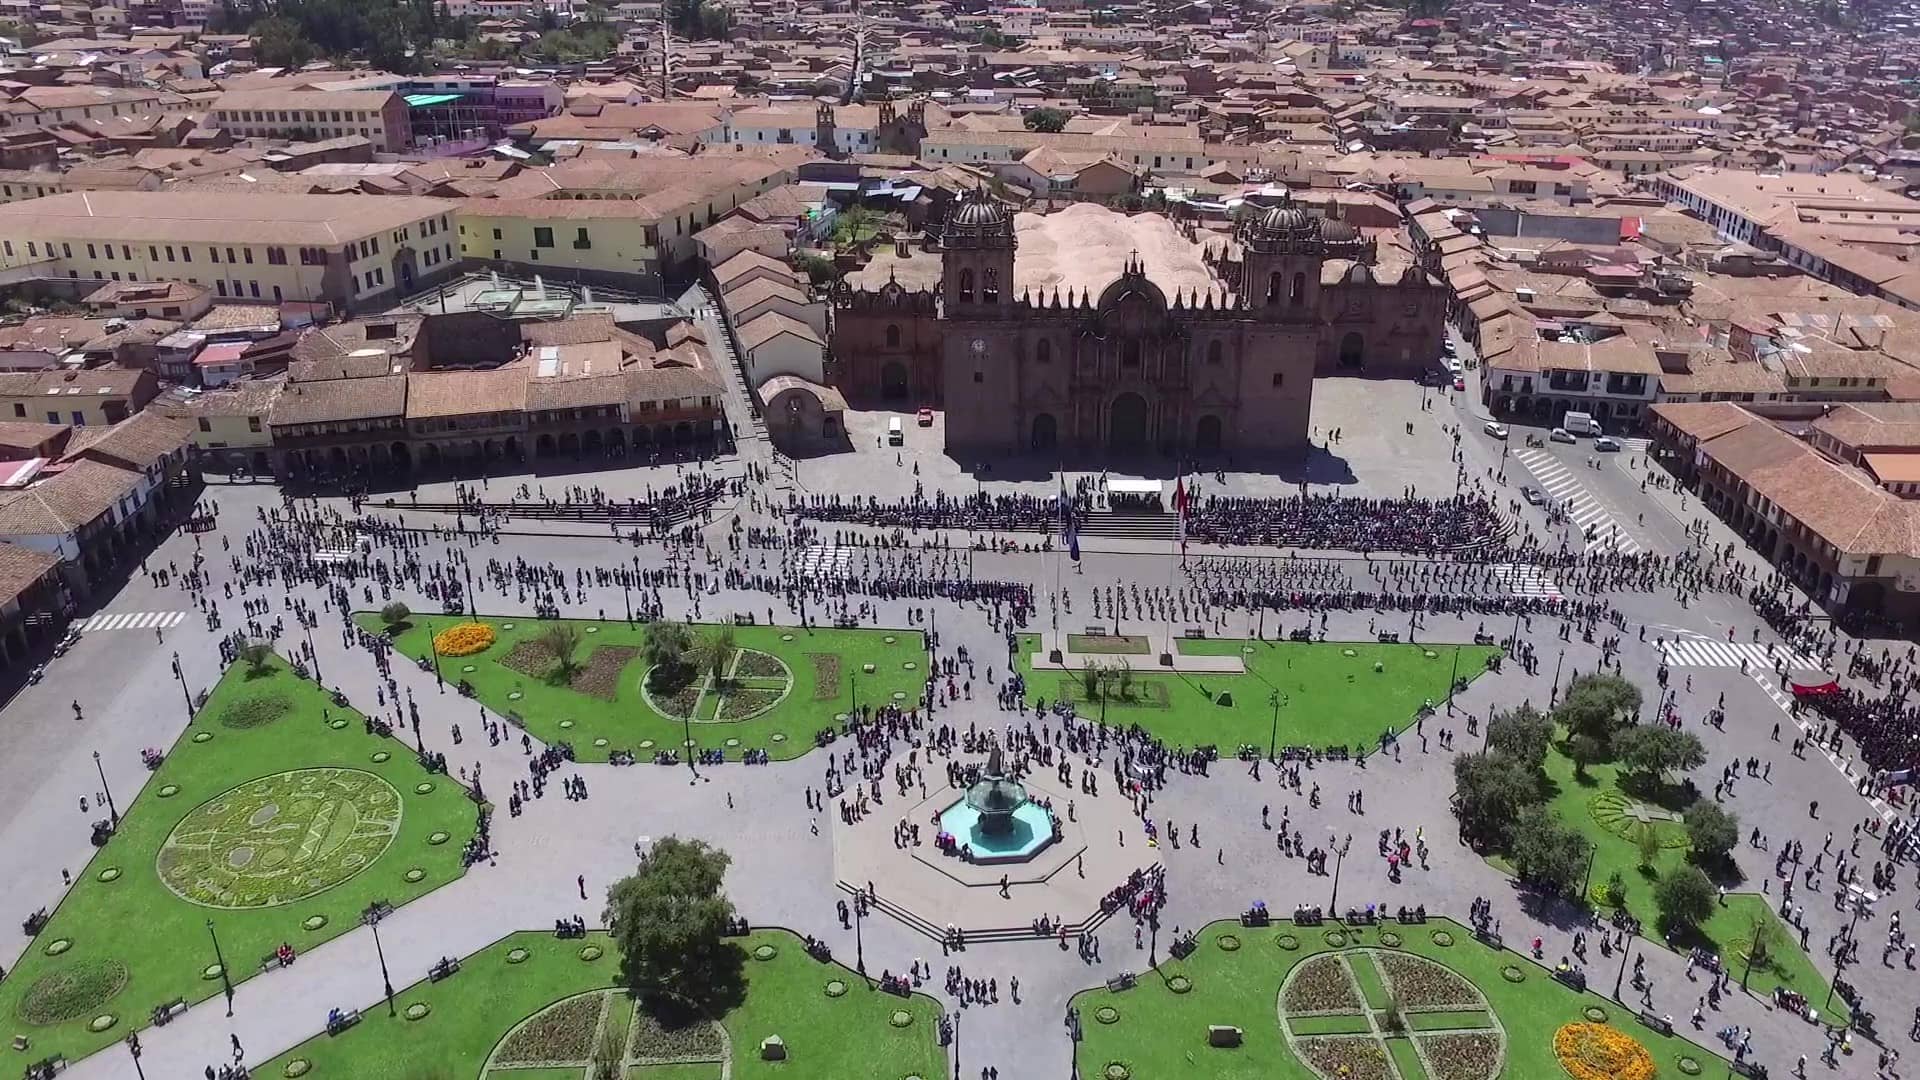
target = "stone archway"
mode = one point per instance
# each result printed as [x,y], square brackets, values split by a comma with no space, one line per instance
[1127,422]
[1046,433]
[1353,350]
[893,381]
[1207,435]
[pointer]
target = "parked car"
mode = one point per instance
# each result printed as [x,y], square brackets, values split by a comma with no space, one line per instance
[1606,442]
[1459,383]
[1532,495]
[924,417]
[1561,434]
[1498,431]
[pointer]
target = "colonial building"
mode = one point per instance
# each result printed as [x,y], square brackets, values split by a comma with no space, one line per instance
[1088,329]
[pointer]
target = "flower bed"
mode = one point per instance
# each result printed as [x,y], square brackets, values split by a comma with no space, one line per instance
[1351,1059]
[1180,984]
[1229,942]
[562,1031]
[1600,1052]
[1287,942]
[71,992]
[655,1041]
[464,639]
[1442,938]
[1467,1056]
[1106,1014]
[1320,985]
[1423,984]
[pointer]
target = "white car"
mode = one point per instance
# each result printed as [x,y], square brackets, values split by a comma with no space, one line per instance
[1561,434]
[1498,431]
[1454,365]
[1606,442]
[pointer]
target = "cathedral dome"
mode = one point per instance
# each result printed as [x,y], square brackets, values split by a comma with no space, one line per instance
[1338,232]
[1286,220]
[978,211]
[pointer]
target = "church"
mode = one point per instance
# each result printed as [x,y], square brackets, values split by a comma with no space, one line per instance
[1085,329]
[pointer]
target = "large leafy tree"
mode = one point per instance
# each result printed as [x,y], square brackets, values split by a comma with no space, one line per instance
[1651,751]
[1045,119]
[1712,830]
[669,921]
[1523,733]
[1547,854]
[1684,897]
[1598,705]
[1489,791]
[666,648]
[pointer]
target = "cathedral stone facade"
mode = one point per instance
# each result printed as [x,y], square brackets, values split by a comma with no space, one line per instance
[1221,367]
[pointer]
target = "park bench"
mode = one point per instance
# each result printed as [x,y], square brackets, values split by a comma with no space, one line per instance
[1123,981]
[340,1020]
[445,968]
[164,1012]
[271,962]
[35,922]
[1573,977]
[1487,935]
[47,1068]
[1223,1035]
[1194,632]
[380,909]
[1656,1022]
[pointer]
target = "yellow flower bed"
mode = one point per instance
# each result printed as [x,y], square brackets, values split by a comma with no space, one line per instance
[464,639]
[1601,1052]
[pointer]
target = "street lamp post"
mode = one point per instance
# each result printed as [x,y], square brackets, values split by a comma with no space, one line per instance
[311,651]
[1340,858]
[956,1044]
[1626,953]
[859,943]
[433,647]
[185,694]
[113,813]
[1453,680]
[371,919]
[1554,694]
[1586,879]
[1276,699]
[226,984]
[133,1048]
[1840,961]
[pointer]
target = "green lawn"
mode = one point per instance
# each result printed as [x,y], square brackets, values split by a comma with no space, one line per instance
[1610,819]
[828,1038]
[1328,698]
[819,675]
[267,848]
[1160,1033]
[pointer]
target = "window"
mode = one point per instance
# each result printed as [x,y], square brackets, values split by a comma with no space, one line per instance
[19,410]
[1273,288]
[214,254]
[220,285]
[90,252]
[253,423]
[542,236]
[580,241]
[1043,353]
[496,234]
[1214,352]
[1299,293]
[1279,379]
[248,252]
[1130,354]
[275,256]
[205,424]
[966,286]
[53,417]
[186,254]
[893,337]
[79,418]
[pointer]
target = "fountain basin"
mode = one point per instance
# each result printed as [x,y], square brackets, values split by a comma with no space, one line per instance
[1028,832]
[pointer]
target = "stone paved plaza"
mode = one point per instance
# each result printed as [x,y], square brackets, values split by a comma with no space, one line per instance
[793,865]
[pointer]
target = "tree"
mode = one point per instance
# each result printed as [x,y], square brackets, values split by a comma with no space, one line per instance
[1614,892]
[666,648]
[1711,830]
[1521,733]
[1650,751]
[1585,750]
[562,640]
[258,656]
[395,615]
[669,921]
[1763,935]
[1684,897]
[714,653]
[1648,844]
[281,42]
[1489,791]
[1048,120]
[1546,853]
[609,1054]
[1598,705]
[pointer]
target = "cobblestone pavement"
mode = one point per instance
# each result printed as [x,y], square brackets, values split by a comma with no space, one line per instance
[783,874]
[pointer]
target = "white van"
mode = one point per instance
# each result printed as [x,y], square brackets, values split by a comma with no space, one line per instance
[896,433]
[1581,424]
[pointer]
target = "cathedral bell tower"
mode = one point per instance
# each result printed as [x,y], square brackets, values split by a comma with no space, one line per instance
[1282,263]
[976,257]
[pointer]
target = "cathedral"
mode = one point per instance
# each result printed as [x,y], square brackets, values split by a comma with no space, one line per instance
[1089,330]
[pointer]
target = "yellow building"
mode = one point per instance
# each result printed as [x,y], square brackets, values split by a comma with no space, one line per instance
[356,252]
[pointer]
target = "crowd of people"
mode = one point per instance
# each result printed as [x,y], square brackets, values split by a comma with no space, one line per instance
[1409,524]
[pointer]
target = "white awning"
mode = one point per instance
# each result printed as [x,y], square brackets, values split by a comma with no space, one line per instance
[1133,487]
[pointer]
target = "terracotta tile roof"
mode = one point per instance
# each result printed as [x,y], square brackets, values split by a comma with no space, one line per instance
[768,325]
[21,568]
[65,501]
[138,442]
[433,394]
[335,400]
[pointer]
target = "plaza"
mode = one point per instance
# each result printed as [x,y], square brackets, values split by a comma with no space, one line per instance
[1151,838]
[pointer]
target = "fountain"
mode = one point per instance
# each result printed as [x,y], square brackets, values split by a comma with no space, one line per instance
[996,822]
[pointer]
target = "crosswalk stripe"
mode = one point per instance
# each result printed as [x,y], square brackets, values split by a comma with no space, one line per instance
[1693,652]
[1581,507]
[131,620]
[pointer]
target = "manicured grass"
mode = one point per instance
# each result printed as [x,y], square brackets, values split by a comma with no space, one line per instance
[1163,1034]
[1345,1024]
[826,677]
[136,921]
[1588,803]
[1442,1021]
[844,1038]
[1368,976]
[1406,1059]
[1328,698]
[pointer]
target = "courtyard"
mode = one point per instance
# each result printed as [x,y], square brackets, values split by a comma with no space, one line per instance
[1315,694]
[276,818]
[778,689]
[1422,1001]
[536,1007]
